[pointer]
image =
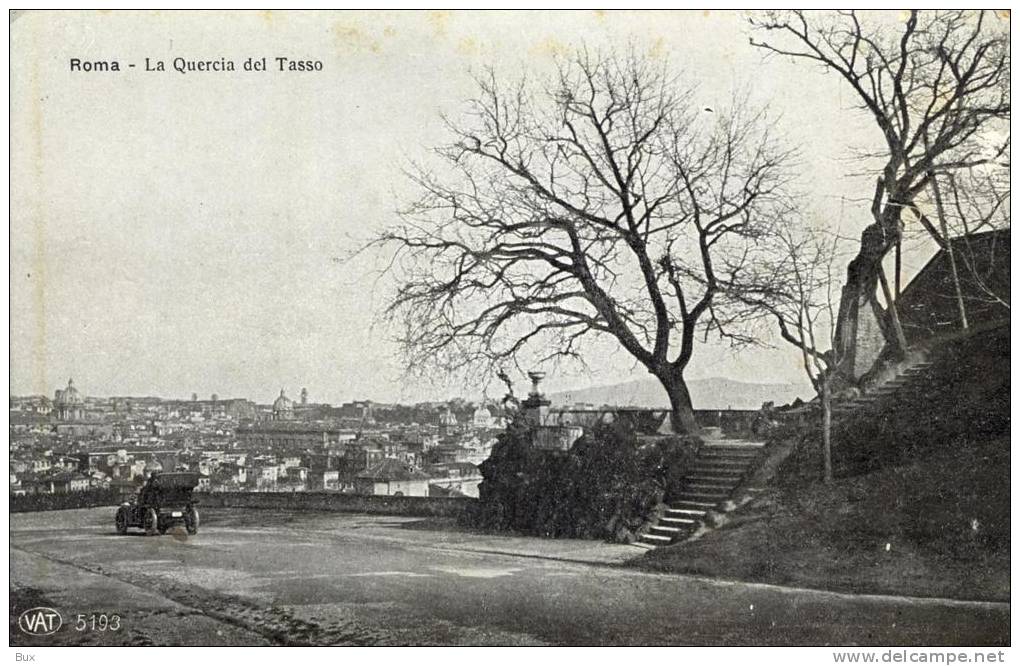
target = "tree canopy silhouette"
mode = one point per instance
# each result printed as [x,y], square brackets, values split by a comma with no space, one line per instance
[602,203]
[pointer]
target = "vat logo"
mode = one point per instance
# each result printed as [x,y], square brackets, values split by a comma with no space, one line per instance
[40,621]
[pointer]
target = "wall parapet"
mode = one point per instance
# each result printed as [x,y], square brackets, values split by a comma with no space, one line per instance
[423,507]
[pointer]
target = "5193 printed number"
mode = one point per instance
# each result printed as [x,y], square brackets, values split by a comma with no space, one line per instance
[94,622]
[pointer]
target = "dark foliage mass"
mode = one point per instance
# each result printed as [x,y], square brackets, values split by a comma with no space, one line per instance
[965,397]
[605,487]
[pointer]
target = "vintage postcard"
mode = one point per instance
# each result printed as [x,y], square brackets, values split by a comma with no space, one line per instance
[511,328]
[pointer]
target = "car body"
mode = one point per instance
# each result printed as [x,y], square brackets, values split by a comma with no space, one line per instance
[166,500]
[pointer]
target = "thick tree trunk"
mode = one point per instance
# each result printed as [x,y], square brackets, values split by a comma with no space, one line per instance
[682,410]
[894,317]
[862,281]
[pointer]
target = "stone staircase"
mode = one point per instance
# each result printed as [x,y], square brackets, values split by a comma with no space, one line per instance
[889,391]
[719,467]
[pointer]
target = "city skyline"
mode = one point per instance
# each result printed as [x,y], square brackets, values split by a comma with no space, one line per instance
[160,249]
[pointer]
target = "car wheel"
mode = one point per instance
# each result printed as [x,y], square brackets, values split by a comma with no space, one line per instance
[121,521]
[151,522]
[191,521]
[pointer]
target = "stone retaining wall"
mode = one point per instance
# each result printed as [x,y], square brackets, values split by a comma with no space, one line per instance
[58,502]
[312,501]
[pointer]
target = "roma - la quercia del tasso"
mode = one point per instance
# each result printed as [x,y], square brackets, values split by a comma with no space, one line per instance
[189,65]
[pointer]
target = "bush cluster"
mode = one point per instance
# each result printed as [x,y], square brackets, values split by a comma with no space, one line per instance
[605,487]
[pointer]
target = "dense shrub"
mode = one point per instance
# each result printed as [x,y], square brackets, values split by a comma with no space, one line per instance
[606,486]
[964,397]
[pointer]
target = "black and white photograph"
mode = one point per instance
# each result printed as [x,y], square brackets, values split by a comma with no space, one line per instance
[564,328]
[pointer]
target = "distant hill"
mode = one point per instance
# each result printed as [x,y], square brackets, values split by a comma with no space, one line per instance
[713,393]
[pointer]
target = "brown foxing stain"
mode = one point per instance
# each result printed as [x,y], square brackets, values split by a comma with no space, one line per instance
[600,14]
[439,20]
[1003,14]
[468,46]
[38,264]
[549,47]
[658,48]
[351,37]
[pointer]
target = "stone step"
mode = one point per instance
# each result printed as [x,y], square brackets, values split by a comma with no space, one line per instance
[710,470]
[709,487]
[722,462]
[685,514]
[669,530]
[730,455]
[732,479]
[738,466]
[713,478]
[733,448]
[655,538]
[696,505]
[670,520]
[702,496]
[735,441]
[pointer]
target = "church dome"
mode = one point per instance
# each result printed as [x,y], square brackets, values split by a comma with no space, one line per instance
[69,396]
[482,417]
[283,407]
[283,402]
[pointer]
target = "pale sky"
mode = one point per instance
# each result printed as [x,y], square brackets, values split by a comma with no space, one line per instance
[177,233]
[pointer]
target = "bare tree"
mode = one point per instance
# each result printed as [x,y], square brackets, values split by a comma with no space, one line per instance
[936,84]
[975,201]
[802,300]
[603,203]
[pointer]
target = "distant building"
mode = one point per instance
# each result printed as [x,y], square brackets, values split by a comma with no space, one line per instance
[280,433]
[447,421]
[392,477]
[283,408]
[360,410]
[482,418]
[90,429]
[34,404]
[68,403]
[56,483]
[453,479]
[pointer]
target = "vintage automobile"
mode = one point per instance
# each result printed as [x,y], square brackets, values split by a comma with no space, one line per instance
[163,502]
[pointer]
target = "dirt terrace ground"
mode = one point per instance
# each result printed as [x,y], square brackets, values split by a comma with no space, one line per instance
[257,577]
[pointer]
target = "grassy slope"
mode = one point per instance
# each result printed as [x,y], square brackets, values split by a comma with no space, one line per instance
[900,530]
